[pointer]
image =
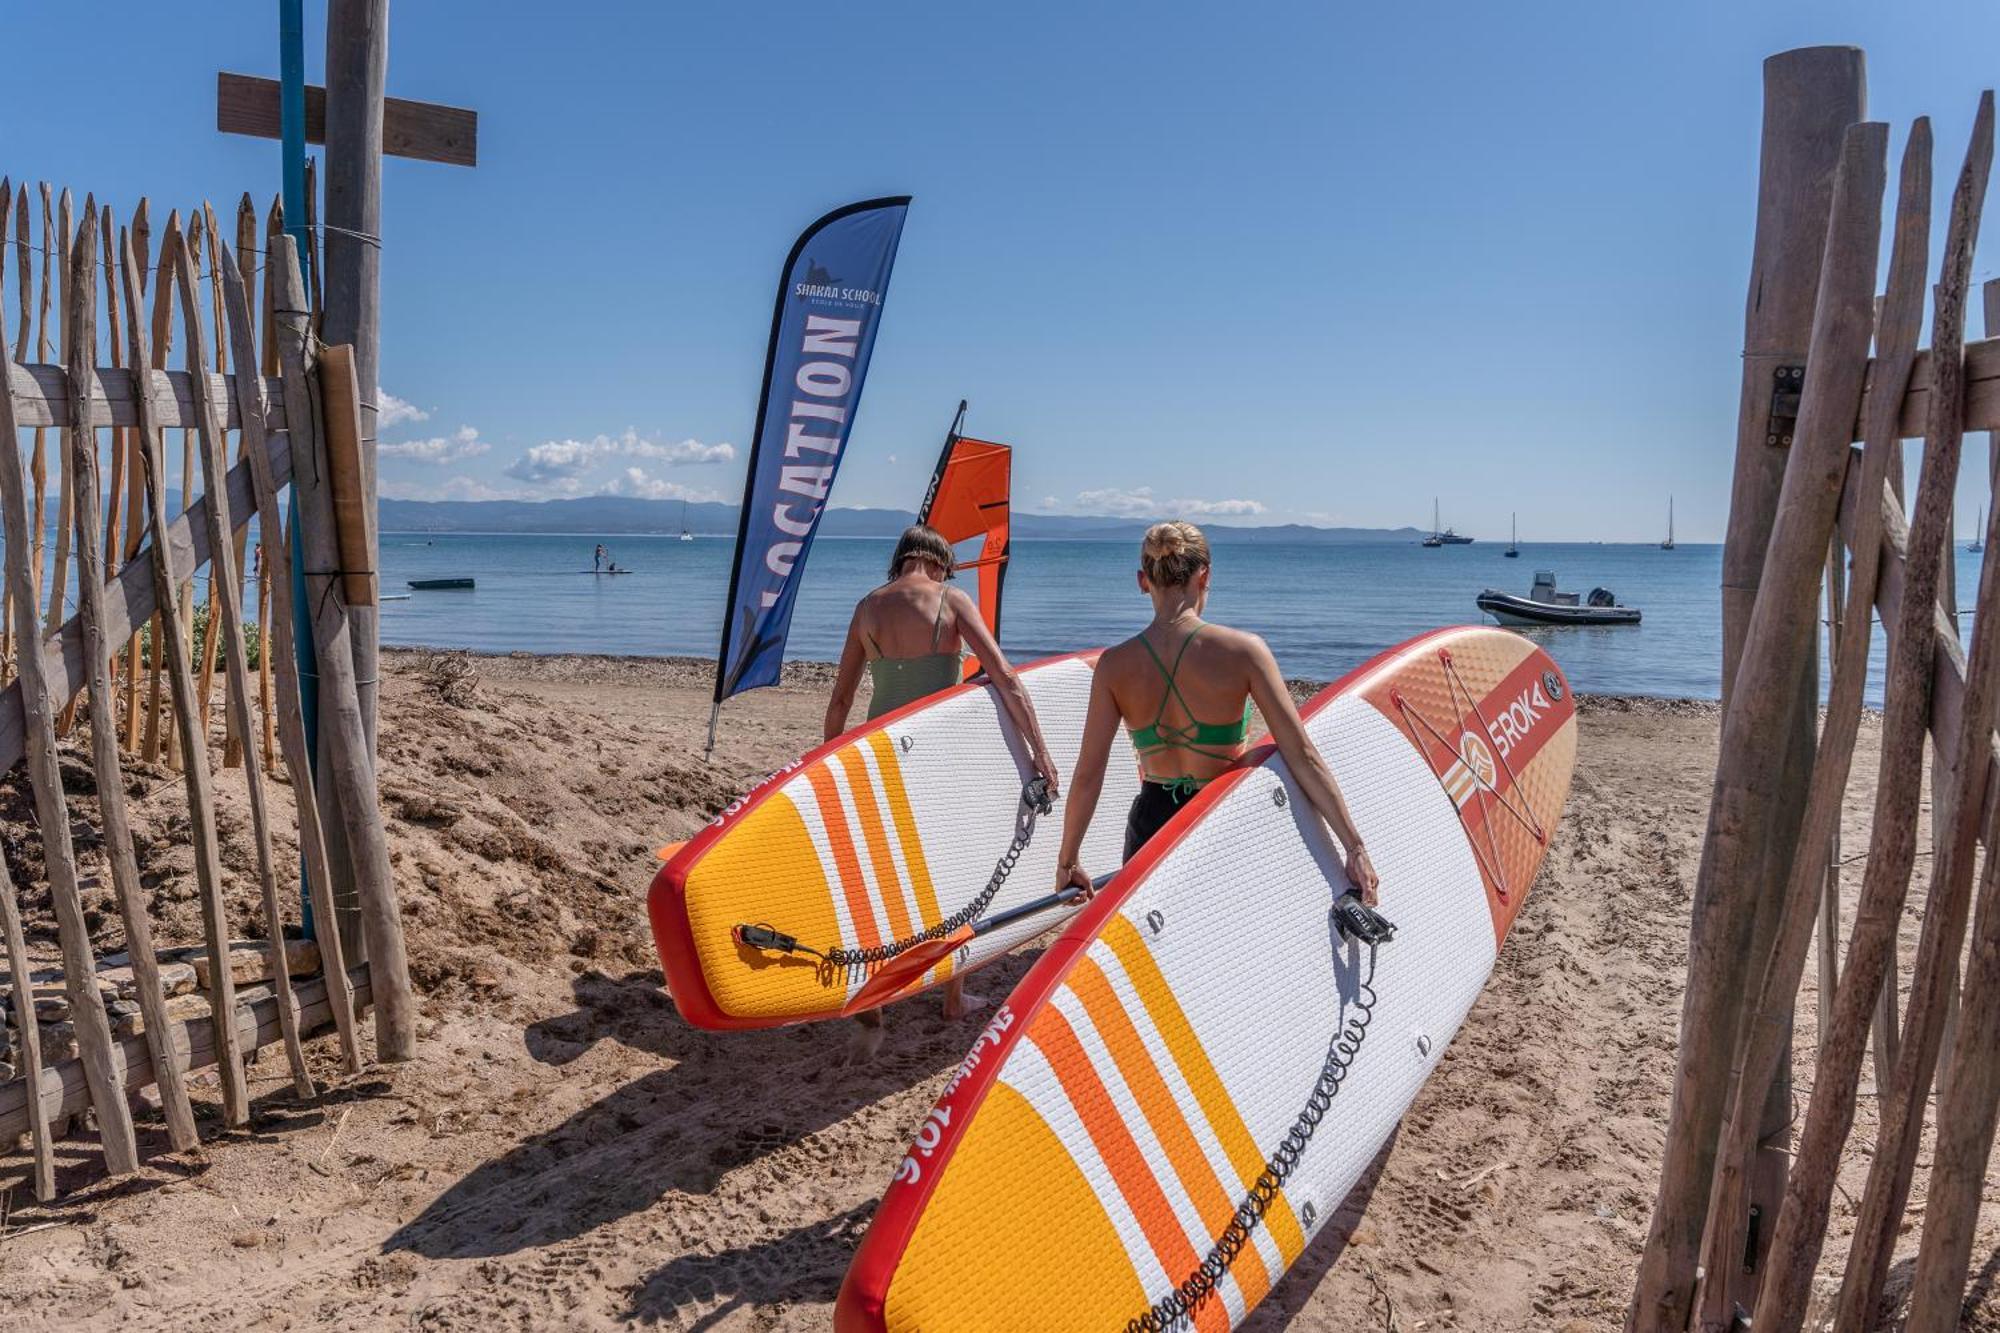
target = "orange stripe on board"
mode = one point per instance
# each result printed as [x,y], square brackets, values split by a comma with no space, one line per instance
[1053,1036]
[888,887]
[1193,1062]
[852,886]
[906,827]
[919,869]
[1168,1119]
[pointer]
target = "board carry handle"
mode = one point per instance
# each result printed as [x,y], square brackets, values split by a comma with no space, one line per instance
[907,969]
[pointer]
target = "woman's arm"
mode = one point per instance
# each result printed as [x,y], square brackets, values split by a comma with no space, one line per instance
[1100,725]
[1013,695]
[846,681]
[1302,757]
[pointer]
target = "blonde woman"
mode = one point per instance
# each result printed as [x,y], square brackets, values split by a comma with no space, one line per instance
[1183,688]
[909,635]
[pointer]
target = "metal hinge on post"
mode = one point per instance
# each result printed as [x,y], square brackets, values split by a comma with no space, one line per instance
[1787,384]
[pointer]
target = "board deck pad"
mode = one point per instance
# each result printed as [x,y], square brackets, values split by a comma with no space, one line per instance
[1095,1143]
[873,838]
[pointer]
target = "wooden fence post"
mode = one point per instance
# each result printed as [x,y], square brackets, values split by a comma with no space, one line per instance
[278,657]
[168,1065]
[170,649]
[93,1028]
[1811,96]
[342,728]
[226,623]
[1957,801]
[1762,1045]
[1801,1223]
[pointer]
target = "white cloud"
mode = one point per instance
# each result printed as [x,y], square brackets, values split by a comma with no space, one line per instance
[640,485]
[555,461]
[460,486]
[461,444]
[393,411]
[892,458]
[1139,502]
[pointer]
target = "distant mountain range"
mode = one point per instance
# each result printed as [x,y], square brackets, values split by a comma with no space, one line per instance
[613,514]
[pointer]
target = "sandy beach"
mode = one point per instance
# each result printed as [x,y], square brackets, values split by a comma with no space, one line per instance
[565,1152]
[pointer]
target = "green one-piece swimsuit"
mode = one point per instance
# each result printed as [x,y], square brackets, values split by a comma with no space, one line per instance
[904,680]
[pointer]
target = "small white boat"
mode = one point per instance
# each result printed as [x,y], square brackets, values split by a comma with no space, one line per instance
[1668,544]
[1978,542]
[1545,606]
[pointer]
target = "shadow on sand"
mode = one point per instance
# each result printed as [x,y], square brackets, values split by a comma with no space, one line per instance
[727,1099]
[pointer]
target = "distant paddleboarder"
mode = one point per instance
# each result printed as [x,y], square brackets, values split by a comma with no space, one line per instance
[597,560]
[1168,685]
[909,635]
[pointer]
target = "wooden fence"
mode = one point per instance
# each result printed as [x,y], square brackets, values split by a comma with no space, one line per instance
[124,602]
[1741,1220]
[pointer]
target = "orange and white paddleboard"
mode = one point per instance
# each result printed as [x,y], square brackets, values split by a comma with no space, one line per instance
[866,843]
[1090,1153]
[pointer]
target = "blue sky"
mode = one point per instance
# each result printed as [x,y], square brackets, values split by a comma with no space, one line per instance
[1314,262]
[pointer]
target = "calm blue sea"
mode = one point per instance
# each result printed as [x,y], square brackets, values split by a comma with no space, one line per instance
[1322,608]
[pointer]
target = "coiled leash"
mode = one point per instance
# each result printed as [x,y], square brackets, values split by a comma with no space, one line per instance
[1358,922]
[1035,802]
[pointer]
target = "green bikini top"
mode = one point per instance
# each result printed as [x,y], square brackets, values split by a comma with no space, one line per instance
[1194,736]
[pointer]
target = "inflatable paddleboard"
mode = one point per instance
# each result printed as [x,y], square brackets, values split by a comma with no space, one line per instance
[1154,1076]
[883,836]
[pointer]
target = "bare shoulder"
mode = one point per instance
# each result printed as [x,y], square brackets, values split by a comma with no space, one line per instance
[1239,642]
[960,601]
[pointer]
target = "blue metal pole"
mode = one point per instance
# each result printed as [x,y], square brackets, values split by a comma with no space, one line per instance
[292,119]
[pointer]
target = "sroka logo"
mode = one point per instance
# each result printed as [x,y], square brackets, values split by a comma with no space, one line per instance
[1478,757]
[1518,718]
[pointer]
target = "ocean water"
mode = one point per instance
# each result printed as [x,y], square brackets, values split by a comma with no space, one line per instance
[1323,608]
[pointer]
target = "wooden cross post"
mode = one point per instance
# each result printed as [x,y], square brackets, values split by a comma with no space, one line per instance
[357,123]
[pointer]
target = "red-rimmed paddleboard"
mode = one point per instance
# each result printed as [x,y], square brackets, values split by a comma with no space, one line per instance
[1095,1144]
[868,841]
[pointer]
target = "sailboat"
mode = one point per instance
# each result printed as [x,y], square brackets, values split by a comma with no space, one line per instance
[1443,536]
[1668,544]
[1978,542]
[1513,550]
[686,536]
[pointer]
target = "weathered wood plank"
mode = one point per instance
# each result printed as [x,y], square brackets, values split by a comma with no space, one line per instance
[93,1028]
[171,645]
[1906,720]
[427,131]
[228,628]
[98,649]
[129,599]
[280,653]
[341,721]
[63,1088]
[41,398]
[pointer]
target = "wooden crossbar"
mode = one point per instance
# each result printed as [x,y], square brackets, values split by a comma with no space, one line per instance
[1982,391]
[64,1092]
[129,599]
[41,398]
[1948,674]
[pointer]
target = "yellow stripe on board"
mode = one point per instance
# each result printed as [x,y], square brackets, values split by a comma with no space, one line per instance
[1193,1062]
[919,869]
[1048,1259]
[906,826]
[888,887]
[1168,1118]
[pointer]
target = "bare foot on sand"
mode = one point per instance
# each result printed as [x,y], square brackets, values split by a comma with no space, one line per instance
[866,1042]
[958,1003]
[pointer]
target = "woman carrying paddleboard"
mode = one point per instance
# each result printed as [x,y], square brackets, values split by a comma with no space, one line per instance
[910,635]
[1167,685]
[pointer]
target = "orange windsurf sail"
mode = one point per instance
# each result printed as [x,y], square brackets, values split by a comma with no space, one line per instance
[968,500]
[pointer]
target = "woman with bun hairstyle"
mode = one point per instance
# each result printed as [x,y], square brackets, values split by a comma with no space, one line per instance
[910,635]
[1169,685]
